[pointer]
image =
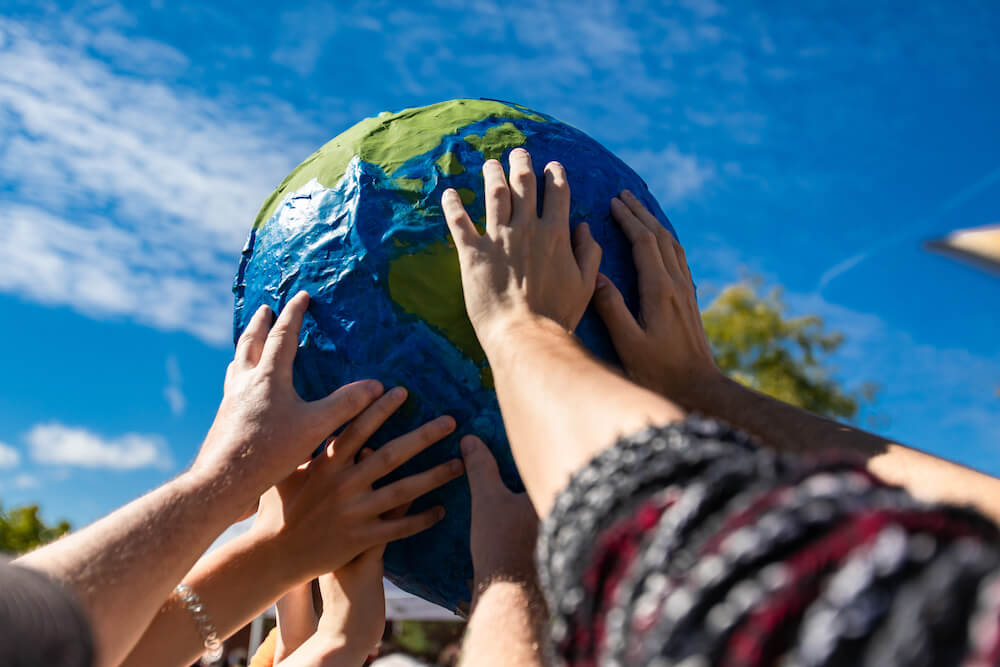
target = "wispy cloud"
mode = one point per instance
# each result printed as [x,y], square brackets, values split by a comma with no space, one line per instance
[9,457]
[57,444]
[174,392]
[127,196]
[672,176]
[26,481]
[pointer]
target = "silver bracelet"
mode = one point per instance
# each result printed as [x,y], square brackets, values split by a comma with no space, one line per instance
[213,645]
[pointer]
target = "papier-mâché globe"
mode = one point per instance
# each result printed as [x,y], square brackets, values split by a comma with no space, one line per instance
[359,226]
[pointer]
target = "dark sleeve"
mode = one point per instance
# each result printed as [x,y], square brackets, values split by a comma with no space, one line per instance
[40,622]
[690,543]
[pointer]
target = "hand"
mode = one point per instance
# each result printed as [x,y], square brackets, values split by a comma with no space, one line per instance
[666,350]
[263,429]
[523,266]
[504,524]
[326,512]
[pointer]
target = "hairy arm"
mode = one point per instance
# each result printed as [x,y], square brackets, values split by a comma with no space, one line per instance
[123,567]
[669,354]
[506,594]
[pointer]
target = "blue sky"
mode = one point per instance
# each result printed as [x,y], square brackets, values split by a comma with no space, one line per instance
[814,144]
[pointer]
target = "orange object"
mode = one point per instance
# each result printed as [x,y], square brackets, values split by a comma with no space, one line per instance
[264,657]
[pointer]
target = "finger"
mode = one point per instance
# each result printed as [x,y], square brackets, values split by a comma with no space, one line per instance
[397,452]
[283,340]
[410,488]
[653,274]
[398,529]
[345,404]
[588,254]
[664,238]
[362,427]
[557,197]
[523,187]
[459,223]
[251,342]
[497,195]
[610,306]
[682,259]
[481,467]
[641,212]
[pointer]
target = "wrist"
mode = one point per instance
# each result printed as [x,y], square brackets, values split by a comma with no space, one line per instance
[708,393]
[227,500]
[497,333]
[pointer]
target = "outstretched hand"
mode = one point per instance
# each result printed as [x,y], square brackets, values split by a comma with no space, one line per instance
[665,350]
[326,513]
[523,266]
[263,429]
[504,524]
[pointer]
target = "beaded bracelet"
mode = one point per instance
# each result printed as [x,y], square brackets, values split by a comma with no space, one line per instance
[213,645]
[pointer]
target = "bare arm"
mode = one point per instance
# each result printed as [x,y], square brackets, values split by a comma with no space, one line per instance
[124,566]
[670,355]
[506,593]
[319,518]
[525,289]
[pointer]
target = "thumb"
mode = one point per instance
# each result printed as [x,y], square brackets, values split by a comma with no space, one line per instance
[610,305]
[480,466]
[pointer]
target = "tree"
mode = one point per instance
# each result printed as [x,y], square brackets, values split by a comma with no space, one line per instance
[758,345]
[22,529]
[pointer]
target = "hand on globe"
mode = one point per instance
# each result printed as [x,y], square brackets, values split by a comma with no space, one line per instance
[504,524]
[326,512]
[667,352]
[524,266]
[263,430]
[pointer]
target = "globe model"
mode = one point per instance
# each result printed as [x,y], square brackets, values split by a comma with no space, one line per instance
[359,226]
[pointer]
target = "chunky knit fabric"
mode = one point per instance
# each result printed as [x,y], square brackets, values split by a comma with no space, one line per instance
[689,546]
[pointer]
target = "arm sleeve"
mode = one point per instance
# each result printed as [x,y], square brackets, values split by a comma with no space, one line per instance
[689,545]
[40,622]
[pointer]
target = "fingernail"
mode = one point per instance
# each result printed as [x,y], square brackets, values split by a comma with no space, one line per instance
[628,193]
[616,200]
[519,150]
[456,466]
[398,392]
[446,422]
[450,194]
[602,281]
[374,387]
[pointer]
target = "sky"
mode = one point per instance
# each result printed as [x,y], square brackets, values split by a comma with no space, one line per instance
[814,145]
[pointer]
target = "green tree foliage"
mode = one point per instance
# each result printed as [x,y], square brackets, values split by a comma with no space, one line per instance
[757,344]
[22,529]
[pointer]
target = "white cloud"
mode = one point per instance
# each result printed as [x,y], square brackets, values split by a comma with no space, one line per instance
[56,444]
[173,392]
[9,457]
[26,481]
[176,177]
[672,176]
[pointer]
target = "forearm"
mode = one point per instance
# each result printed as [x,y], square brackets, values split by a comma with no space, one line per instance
[297,620]
[235,583]
[560,406]
[518,608]
[124,566]
[788,428]
[321,651]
